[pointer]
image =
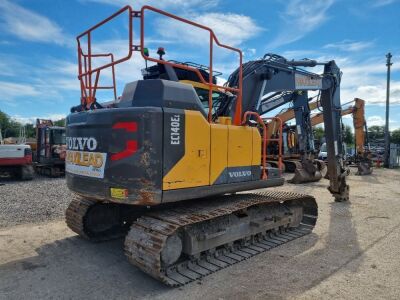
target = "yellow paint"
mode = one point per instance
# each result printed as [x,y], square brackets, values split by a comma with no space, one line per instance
[240,146]
[194,167]
[225,120]
[219,150]
[200,85]
[210,149]
[257,150]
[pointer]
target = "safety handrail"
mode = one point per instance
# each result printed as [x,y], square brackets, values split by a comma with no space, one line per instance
[87,74]
[213,38]
[266,140]
[87,84]
[264,145]
[96,86]
[279,139]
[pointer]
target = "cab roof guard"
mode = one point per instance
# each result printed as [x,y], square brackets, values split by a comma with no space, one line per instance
[86,70]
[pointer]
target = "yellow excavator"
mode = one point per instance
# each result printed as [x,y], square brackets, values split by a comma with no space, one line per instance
[161,164]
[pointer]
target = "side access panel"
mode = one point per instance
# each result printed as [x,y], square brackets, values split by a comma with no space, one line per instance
[219,154]
[240,150]
[187,162]
[257,152]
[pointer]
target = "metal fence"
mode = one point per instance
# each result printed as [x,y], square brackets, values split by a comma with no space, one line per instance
[394,158]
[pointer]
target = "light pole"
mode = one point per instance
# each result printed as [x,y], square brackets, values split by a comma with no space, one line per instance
[387,134]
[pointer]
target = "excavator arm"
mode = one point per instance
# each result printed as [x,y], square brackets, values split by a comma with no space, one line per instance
[363,161]
[264,80]
[330,100]
[319,117]
[359,125]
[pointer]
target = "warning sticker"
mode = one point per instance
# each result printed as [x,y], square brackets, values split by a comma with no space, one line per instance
[119,193]
[85,163]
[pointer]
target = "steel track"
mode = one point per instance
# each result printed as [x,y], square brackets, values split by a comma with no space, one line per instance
[148,235]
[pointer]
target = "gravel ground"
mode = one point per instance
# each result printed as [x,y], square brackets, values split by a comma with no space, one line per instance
[353,253]
[42,199]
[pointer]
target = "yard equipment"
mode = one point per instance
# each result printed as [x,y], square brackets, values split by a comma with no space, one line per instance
[16,159]
[163,165]
[49,158]
[298,142]
[363,155]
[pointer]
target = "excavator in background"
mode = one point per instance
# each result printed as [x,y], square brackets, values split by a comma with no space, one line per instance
[363,155]
[162,165]
[50,149]
[274,81]
[298,143]
[16,159]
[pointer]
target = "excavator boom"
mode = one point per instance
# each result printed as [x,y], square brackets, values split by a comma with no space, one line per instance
[273,81]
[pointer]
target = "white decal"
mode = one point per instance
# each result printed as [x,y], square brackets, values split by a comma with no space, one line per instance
[307,82]
[298,129]
[239,174]
[175,130]
[336,148]
[84,163]
[81,143]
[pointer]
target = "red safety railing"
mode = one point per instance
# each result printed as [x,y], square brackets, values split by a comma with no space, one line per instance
[85,63]
[96,87]
[278,140]
[89,87]
[266,140]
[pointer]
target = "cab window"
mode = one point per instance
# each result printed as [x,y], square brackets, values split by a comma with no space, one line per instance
[216,99]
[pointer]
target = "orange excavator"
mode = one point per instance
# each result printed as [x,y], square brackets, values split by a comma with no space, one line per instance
[362,157]
[313,169]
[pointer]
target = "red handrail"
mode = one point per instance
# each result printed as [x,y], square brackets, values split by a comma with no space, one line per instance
[264,144]
[85,76]
[266,140]
[96,87]
[238,113]
[279,140]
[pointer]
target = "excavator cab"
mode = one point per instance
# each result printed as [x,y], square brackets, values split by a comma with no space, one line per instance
[161,71]
[49,158]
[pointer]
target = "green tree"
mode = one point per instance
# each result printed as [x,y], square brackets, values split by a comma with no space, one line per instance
[59,123]
[376,132]
[319,133]
[4,123]
[30,131]
[8,126]
[348,136]
[395,136]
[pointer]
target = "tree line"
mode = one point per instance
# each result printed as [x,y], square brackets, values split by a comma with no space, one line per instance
[11,128]
[375,133]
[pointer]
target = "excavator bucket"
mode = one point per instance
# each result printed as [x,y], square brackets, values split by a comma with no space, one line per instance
[322,167]
[364,168]
[306,171]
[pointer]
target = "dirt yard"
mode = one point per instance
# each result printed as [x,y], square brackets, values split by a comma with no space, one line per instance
[353,252]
